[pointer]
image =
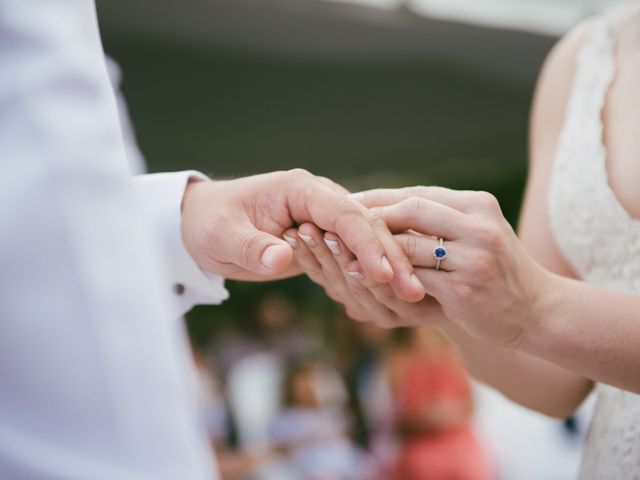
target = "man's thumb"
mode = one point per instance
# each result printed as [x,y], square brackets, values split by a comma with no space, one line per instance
[259,252]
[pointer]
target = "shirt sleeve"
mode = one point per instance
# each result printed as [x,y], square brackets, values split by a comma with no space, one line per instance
[160,196]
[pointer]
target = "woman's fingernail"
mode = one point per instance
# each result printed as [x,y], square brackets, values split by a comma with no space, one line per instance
[291,241]
[269,256]
[415,281]
[386,266]
[333,246]
[356,274]
[308,239]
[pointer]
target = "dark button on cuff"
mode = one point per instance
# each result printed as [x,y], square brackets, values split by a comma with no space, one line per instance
[178,288]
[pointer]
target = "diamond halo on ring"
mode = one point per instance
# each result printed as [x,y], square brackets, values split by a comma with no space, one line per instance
[439,252]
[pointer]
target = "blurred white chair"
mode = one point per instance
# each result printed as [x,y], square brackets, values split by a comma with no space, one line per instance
[528,445]
[254,394]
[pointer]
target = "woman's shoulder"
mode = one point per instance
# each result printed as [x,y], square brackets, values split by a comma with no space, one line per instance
[625,23]
[553,90]
[555,81]
[556,76]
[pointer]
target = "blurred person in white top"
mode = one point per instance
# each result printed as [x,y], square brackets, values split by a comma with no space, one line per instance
[95,268]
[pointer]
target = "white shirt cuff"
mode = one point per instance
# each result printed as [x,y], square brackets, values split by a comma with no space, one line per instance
[160,195]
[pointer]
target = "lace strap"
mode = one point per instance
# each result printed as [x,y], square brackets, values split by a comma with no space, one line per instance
[595,68]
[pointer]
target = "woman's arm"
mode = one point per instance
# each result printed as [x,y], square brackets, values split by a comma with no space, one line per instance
[525,379]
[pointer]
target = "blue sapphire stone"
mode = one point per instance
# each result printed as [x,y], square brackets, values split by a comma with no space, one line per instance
[440,252]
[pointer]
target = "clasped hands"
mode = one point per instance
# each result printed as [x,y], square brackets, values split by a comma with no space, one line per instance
[373,251]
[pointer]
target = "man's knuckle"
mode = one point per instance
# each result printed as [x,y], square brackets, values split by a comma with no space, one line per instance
[374,216]
[247,247]
[347,207]
[349,216]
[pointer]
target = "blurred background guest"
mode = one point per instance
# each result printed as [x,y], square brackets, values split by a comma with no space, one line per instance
[434,407]
[234,462]
[312,428]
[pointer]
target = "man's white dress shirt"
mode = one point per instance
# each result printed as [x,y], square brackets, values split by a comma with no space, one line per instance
[95,377]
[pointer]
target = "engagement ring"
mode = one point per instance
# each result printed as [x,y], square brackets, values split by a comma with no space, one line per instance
[440,253]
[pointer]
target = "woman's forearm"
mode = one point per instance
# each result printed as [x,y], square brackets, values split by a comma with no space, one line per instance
[530,381]
[589,330]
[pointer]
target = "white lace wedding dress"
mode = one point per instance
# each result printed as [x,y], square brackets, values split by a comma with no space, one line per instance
[600,240]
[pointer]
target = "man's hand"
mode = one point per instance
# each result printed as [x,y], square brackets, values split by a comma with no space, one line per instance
[235,228]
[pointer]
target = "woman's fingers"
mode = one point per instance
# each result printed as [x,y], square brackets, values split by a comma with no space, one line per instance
[425,312]
[330,255]
[404,281]
[322,251]
[303,256]
[307,241]
[427,217]
[343,258]
[438,284]
[364,298]
[463,200]
[421,251]
[458,199]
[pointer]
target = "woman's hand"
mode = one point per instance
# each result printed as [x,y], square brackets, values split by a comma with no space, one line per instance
[487,283]
[325,259]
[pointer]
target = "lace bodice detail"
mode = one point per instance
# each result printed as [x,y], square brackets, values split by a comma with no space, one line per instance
[593,230]
[599,238]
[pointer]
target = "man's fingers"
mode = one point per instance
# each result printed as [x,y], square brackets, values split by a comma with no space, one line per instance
[352,223]
[333,185]
[314,242]
[425,216]
[405,283]
[331,253]
[317,257]
[311,200]
[343,258]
